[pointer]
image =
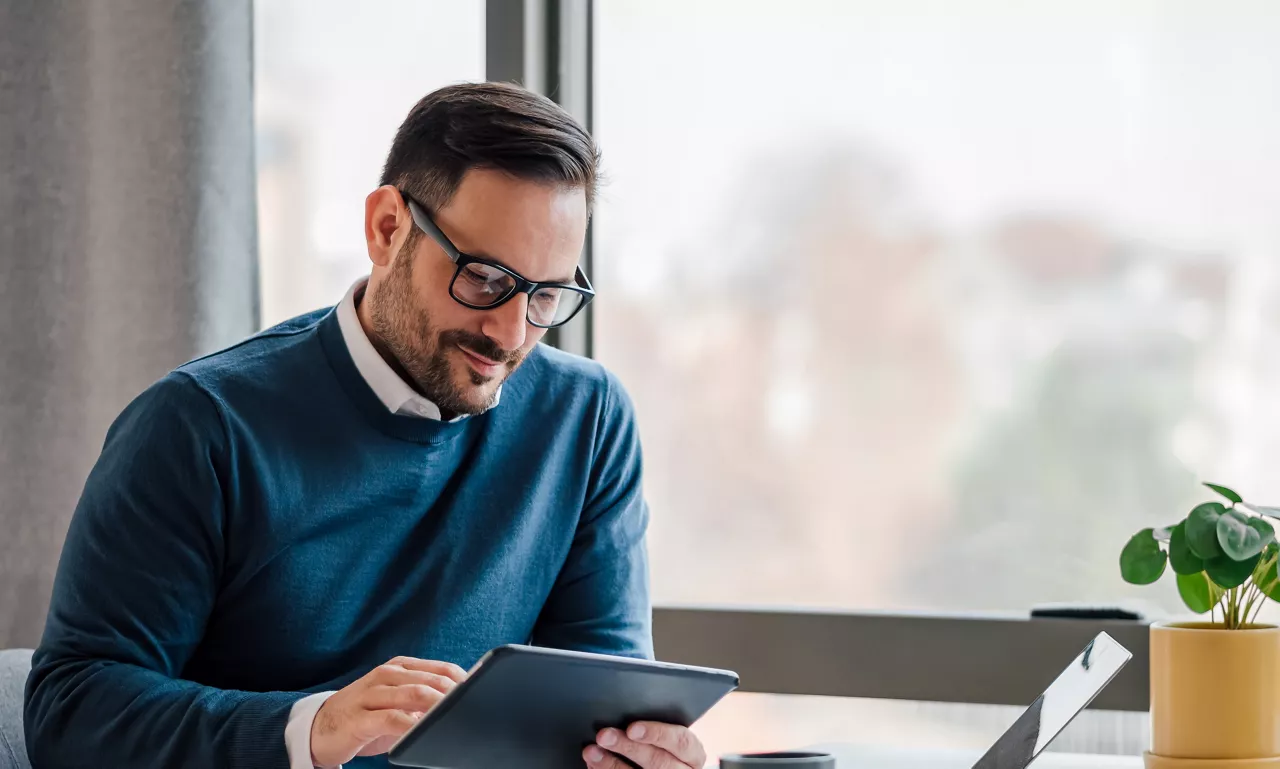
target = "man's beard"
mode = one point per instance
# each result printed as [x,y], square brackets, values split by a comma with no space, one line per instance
[404,329]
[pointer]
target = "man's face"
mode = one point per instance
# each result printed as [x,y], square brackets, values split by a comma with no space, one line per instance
[458,356]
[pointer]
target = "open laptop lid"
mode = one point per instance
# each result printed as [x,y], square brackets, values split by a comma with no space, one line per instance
[1073,689]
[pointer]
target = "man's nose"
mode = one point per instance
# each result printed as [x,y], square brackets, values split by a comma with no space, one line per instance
[508,324]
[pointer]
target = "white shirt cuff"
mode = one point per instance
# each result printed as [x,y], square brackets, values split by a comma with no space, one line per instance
[297,733]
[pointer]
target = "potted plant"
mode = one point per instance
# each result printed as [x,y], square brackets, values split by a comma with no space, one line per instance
[1215,686]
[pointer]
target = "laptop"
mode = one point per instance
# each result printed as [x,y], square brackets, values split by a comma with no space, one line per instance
[1024,741]
[1072,691]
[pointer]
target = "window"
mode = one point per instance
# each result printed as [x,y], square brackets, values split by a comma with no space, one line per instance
[931,305]
[333,81]
[924,304]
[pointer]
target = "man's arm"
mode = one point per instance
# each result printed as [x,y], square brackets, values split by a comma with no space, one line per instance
[600,602]
[136,584]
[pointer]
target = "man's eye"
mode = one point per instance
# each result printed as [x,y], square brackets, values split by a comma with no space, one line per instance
[475,276]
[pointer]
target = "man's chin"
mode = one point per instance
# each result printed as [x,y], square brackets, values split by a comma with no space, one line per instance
[474,392]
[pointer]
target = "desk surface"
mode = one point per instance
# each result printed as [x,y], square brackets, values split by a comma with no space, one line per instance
[860,757]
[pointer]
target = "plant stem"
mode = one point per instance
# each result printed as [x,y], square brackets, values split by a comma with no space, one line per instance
[1232,608]
[1248,606]
[1257,611]
[1264,569]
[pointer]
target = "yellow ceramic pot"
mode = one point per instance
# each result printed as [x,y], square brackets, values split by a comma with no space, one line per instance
[1215,697]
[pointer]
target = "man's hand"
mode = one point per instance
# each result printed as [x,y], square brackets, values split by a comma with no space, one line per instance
[368,716]
[649,746]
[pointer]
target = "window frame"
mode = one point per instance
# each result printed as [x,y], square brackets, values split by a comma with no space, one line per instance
[977,658]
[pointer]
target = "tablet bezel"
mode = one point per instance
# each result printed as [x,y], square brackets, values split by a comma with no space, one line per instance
[489,662]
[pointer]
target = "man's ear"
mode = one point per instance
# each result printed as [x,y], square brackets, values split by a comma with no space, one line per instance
[386,224]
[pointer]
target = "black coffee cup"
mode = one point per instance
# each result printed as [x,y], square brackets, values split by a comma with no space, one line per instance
[787,760]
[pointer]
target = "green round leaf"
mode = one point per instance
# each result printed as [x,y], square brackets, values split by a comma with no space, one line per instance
[1197,592]
[1264,529]
[1228,573]
[1268,580]
[1142,561]
[1224,491]
[1202,530]
[1181,558]
[1239,537]
[1269,583]
[1268,555]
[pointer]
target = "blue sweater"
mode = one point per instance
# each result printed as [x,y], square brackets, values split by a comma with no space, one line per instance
[260,527]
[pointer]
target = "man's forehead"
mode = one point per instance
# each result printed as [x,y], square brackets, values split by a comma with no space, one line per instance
[533,228]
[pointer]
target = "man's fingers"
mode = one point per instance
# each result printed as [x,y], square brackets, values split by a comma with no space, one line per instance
[601,759]
[645,756]
[410,698]
[386,723]
[446,669]
[394,675]
[676,740]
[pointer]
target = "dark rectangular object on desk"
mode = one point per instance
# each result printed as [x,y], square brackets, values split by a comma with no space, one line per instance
[538,708]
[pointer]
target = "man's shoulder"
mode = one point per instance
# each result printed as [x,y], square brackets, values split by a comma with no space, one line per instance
[553,369]
[269,359]
[552,361]
[573,383]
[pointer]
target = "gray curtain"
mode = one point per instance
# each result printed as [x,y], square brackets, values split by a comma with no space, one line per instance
[127,239]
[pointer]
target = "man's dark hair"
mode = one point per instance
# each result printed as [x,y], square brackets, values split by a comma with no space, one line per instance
[488,125]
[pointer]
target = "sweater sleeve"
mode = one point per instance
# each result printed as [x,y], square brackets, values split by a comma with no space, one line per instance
[135,587]
[600,601]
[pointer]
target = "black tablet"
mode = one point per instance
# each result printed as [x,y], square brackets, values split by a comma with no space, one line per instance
[538,708]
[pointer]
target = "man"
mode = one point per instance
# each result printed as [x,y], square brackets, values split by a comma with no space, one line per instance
[289,550]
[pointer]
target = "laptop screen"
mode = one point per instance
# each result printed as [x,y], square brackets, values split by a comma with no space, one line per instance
[1073,689]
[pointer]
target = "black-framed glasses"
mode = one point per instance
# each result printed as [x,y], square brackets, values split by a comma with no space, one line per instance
[482,284]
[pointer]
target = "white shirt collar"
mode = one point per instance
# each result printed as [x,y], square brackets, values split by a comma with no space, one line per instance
[395,394]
